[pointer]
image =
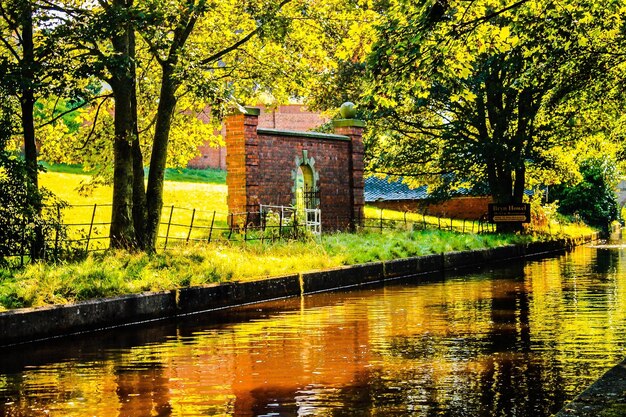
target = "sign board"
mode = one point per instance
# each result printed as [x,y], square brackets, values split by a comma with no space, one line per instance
[509,213]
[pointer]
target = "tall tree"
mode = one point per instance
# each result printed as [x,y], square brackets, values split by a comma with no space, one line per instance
[168,45]
[100,39]
[462,93]
[23,77]
[121,65]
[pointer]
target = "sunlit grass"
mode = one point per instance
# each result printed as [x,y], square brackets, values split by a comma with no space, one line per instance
[116,273]
[208,175]
[206,198]
[419,220]
[562,229]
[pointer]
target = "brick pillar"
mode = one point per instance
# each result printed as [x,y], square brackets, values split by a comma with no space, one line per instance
[353,128]
[242,162]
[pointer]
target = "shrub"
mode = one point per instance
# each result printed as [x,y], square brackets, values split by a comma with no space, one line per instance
[593,199]
[27,214]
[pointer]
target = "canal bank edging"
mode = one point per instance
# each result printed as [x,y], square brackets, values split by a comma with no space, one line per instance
[604,398]
[27,325]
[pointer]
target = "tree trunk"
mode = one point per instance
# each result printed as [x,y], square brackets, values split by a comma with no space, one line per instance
[139,196]
[154,191]
[123,85]
[139,187]
[27,104]
[122,230]
[28,97]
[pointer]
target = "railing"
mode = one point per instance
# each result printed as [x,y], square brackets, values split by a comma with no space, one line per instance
[390,219]
[313,221]
[85,228]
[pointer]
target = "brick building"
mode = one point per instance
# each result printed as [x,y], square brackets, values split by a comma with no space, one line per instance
[395,195]
[272,166]
[287,117]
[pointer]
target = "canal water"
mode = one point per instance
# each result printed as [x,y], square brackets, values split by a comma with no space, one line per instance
[512,340]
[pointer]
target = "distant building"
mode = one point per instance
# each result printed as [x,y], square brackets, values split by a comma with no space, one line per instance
[396,195]
[287,117]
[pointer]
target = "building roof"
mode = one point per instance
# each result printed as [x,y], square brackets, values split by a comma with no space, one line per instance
[381,189]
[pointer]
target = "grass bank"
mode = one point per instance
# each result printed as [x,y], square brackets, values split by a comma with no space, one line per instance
[117,273]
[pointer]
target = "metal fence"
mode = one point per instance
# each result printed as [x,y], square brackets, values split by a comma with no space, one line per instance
[85,228]
[391,219]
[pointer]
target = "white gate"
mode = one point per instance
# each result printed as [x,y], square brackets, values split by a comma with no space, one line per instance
[311,218]
[313,221]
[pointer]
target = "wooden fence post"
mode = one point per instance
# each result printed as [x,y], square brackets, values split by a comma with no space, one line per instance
[57,233]
[93,216]
[23,245]
[245,227]
[193,215]
[211,229]
[232,225]
[167,233]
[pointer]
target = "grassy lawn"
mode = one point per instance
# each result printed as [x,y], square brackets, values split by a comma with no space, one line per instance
[213,176]
[205,197]
[374,216]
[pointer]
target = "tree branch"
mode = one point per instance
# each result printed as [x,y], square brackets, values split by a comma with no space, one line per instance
[11,49]
[240,42]
[12,26]
[485,18]
[93,126]
[83,104]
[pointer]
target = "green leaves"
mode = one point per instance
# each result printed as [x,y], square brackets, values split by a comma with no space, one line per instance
[593,199]
[481,87]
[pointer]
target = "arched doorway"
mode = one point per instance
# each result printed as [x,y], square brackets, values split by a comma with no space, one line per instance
[305,190]
[306,195]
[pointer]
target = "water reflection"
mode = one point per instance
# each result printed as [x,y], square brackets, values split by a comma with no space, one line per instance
[511,341]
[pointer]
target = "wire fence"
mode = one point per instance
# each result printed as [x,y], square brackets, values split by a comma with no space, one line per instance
[382,219]
[79,229]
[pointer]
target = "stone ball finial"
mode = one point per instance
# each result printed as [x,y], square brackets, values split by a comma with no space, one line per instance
[348,110]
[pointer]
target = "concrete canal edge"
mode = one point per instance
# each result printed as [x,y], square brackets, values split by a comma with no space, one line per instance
[27,325]
[604,398]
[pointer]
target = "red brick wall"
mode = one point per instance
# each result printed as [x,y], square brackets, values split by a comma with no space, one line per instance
[239,127]
[471,208]
[288,117]
[356,167]
[277,155]
[261,170]
[210,157]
